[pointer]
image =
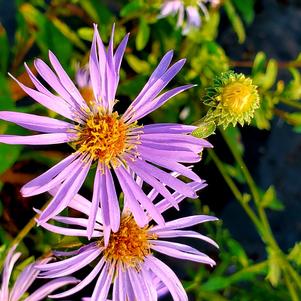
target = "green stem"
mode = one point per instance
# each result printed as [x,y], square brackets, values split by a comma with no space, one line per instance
[292,103]
[235,190]
[243,167]
[291,288]
[268,234]
[27,228]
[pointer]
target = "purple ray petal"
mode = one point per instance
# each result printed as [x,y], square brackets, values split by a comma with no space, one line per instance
[168,128]
[23,282]
[158,72]
[49,287]
[159,85]
[36,123]
[120,52]
[51,177]
[168,277]
[163,205]
[159,101]
[186,222]
[9,263]
[81,204]
[181,251]
[114,209]
[95,203]
[83,283]
[66,193]
[168,179]
[184,233]
[59,107]
[141,197]
[66,81]
[50,77]
[94,68]
[172,165]
[42,139]
[178,155]
[148,178]
[138,212]
[103,284]
[81,261]
[138,285]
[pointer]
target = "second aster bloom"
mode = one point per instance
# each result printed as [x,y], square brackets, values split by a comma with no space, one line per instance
[127,263]
[103,137]
[190,8]
[233,98]
[25,280]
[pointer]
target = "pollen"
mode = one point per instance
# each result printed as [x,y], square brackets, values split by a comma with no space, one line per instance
[87,94]
[129,246]
[237,97]
[104,137]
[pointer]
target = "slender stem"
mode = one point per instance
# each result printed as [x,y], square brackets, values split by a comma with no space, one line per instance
[27,228]
[293,273]
[291,288]
[235,190]
[291,103]
[243,167]
[268,236]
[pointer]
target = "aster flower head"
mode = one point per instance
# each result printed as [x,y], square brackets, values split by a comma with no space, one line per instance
[100,136]
[126,268]
[25,280]
[190,8]
[232,99]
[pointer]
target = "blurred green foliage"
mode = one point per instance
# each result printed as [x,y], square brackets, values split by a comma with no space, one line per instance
[65,27]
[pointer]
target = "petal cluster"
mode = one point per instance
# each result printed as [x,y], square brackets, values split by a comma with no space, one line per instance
[25,280]
[114,141]
[186,8]
[151,164]
[119,276]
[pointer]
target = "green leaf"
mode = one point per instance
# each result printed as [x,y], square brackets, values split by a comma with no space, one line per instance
[234,136]
[269,199]
[143,34]
[236,250]
[86,33]
[274,264]
[235,21]
[9,155]
[4,49]
[246,8]
[131,8]
[259,63]
[137,65]
[98,11]
[235,172]
[295,254]
[69,33]
[270,75]
[204,130]
[47,35]
[294,118]
[215,284]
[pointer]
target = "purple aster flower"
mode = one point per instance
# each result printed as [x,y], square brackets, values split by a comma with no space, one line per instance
[128,262]
[25,279]
[190,7]
[114,142]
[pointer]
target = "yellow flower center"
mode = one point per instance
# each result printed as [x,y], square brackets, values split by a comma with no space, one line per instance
[238,97]
[104,138]
[129,246]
